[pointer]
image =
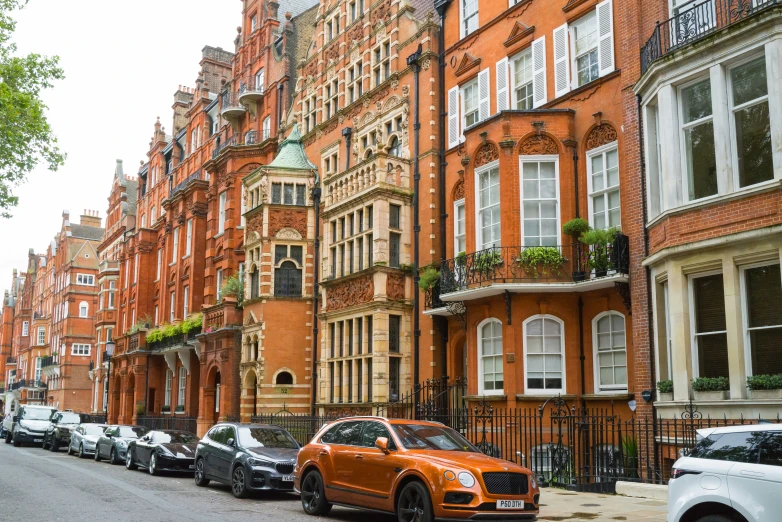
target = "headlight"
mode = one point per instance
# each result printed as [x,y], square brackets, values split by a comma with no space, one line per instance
[532,481]
[160,450]
[260,462]
[121,443]
[466,479]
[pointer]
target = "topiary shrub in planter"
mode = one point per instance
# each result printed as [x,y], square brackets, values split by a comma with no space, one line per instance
[232,287]
[765,386]
[574,228]
[485,262]
[537,261]
[710,388]
[665,390]
[598,257]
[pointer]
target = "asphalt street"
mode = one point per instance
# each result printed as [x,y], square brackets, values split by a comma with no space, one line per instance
[43,486]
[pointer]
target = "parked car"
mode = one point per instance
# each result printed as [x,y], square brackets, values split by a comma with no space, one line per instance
[29,424]
[415,469]
[8,421]
[165,450]
[113,444]
[58,432]
[733,473]
[84,438]
[248,457]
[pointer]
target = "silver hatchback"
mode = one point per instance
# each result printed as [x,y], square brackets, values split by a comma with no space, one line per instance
[84,438]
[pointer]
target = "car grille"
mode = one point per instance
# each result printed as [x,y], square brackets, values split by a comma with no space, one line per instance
[501,483]
[286,468]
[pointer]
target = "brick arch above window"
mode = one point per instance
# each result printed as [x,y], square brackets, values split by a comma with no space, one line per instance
[458,190]
[486,153]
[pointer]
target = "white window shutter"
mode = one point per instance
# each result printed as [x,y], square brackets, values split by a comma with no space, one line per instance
[502,85]
[561,61]
[605,31]
[484,109]
[453,117]
[539,96]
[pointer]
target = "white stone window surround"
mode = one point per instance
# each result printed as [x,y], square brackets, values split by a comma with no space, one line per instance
[479,239]
[607,189]
[692,312]
[667,193]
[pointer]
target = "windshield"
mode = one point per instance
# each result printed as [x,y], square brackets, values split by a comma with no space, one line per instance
[175,438]
[69,418]
[36,414]
[93,429]
[421,436]
[132,432]
[267,438]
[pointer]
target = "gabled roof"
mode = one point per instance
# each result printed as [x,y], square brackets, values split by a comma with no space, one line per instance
[291,154]
[87,232]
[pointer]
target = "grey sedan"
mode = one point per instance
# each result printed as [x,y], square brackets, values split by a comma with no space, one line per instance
[83,439]
[113,444]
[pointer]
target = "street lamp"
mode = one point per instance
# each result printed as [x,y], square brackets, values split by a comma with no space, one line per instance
[110,353]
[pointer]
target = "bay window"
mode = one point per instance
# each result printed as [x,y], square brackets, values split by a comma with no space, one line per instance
[544,350]
[488,222]
[763,322]
[697,129]
[603,165]
[710,339]
[539,202]
[490,358]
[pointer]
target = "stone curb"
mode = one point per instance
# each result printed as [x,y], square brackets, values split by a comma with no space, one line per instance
[635,489]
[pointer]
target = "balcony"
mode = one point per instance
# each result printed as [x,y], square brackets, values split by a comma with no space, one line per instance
[239,140]
[28,385]
[181,185]
[692,24]
[232,107]
[222,314]
[52,360]
[567,268]
[10,361]
[380,169]
[249,92]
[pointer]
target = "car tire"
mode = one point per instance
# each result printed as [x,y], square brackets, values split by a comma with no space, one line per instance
[200,475]
[97,454]
[313,495]
[43,444]
[8,437]
[16,442]
[81,451]
[153,465]
[70,449]
[414,504]
[113,460]
[129,464]
[239,482]
[715,518]
[54,445]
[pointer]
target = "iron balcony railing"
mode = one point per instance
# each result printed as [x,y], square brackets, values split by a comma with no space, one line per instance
[10,360]
[181,186]
[432,297]
[176,340]
[28,384]
[695,21]
[250,84]
[535,264]
[248,138]
[51,360]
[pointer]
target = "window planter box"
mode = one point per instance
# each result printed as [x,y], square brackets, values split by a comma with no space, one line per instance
[765,394]
[711,395]
[668,397]
[179,409]
[165,409]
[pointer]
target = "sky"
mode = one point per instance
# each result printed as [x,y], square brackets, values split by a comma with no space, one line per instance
[123,61]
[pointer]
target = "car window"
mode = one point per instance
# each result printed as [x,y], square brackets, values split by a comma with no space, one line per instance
[174,437]
[254,437]
[373,430]
[219,435]
[731,447]
[230,433]
[771,450]
[348,434]
[111,430]
[213,434]
[428,437]
[330,435]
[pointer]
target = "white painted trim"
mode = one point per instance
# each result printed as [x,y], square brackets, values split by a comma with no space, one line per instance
[538,159]
[477,195]
[596,365]
[535,288]
[602,150]
[691,313]
[536,391]
[456,204]
[479,353]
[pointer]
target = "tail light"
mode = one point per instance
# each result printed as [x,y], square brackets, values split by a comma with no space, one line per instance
[676,473]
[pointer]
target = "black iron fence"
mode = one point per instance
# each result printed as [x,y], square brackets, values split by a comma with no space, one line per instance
[535,264]
[565,445]
[168,422]
[695,21]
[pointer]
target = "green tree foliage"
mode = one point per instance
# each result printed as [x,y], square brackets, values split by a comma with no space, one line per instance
[25,135]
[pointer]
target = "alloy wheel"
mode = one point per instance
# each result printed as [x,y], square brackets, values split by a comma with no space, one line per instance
[129,461]
[237,482]
[310,492]
[200,475]
[153,464]
[412,505]
[81,451]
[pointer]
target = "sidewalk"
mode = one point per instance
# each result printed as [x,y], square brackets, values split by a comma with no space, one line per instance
[567,506]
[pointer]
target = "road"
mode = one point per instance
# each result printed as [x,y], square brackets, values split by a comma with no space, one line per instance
[40,485]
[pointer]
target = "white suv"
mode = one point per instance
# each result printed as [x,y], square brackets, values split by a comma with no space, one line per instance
[734,474]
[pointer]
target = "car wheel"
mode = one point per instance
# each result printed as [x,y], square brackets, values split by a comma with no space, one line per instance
[97,453]
[54,445]
[70,449]
[313,495]
[43,445]
[714,518]
[153,465]
[414,504]
[238,483]
[200,476]
[81,451]
[8,437]
[113,456]
[129,464]
[16,442]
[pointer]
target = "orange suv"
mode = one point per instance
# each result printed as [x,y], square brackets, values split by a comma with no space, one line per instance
[419,470]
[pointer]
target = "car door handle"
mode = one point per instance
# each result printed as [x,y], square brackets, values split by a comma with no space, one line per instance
[756,474]
[324,452]
[359,456]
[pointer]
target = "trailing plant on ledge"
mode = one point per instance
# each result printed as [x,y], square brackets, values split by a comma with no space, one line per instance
[541,260]
[191,323]
[485,262]
[429,278]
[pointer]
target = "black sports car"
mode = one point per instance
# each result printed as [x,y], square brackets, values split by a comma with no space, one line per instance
[165,450]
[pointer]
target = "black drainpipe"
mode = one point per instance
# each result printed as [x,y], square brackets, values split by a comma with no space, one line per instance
[575,178]
[412,61]
[347,133]
[280,97]
[316,346]
[442,7]
[582,357]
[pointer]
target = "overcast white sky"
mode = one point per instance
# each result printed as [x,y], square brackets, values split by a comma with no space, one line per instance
[123,62]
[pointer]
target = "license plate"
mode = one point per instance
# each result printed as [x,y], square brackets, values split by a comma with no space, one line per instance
[510,504]
[287,478]
[37,440]
[191,466]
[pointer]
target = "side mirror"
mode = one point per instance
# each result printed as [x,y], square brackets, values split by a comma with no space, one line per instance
[231,443]
[382,444]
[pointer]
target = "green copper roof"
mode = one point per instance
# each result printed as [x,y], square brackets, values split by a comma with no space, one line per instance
[291,154]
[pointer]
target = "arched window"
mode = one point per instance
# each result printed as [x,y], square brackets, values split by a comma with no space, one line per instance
[84,309]
[544,355]
[490,371]
[284,379]
[368,153]
[167,396]
[288,260]
[395,149]
[608,338]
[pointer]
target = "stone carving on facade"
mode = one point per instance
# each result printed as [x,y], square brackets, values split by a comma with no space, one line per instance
[180,218]
[296,219]
[198,209]
[225,180]
[601,135]
[350,293]
[425,64]
[288,233]
[395,83]
[264,186]
[332,53]
[312,68]
[405,90]
[486,154]
[168,227]
[379,95]
[395,286]
[381,31]
[458,191]
[539,144]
